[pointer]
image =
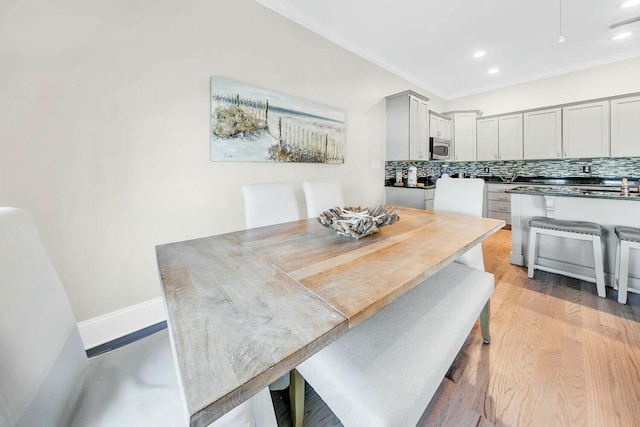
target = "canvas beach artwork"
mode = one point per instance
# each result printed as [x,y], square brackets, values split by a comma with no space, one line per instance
[252,124]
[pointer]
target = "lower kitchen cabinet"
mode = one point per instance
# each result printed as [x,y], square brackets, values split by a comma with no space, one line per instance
[499,201]
[405,197]
[418,198]
[429,195]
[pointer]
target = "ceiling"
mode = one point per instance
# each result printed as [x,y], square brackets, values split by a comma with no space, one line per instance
[431,43]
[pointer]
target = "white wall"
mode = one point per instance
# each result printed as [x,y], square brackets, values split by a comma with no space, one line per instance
[599,82]
[104,136]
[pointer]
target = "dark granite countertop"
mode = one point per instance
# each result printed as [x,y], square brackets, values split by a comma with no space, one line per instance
[603,188]
[568,191]
[423,184]
[573,181]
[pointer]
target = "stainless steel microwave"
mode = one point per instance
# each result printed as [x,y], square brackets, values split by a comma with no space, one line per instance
[440,149]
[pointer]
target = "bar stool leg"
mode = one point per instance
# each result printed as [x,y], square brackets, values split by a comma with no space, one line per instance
[532,251]
[599,268]
[624,272]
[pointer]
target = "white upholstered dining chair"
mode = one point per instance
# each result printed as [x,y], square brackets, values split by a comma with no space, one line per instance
[322,195]
[269,204]
[46,378]
[464,196]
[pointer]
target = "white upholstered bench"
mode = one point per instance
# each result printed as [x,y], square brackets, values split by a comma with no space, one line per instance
[385,371]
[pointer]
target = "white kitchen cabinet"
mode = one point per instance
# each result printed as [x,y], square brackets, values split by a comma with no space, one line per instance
[542,133]
[407,126]
[464,135]
[405,197]
[429,195]
[439,126]
[499,201]
[625,127]
[585,130]
[487,139]
[510,137]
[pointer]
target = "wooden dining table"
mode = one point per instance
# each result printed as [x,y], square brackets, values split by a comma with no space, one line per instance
[245,308]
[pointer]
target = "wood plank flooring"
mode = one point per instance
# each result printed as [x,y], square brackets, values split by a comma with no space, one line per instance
[559,356]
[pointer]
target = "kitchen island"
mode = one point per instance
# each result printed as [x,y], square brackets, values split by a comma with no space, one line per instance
[604,206]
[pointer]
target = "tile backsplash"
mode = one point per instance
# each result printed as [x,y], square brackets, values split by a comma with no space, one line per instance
[604,167]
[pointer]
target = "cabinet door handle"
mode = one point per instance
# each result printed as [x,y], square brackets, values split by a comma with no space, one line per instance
[502,208]
[565,154]
[557,154]
[502,198]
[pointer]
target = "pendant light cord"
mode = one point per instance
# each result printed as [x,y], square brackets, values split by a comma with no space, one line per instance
[561,38]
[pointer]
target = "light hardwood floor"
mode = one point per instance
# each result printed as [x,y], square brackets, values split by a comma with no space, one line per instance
[559,356]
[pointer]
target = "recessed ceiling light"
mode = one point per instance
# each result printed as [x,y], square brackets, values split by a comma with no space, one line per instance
[621,36]
[481,53]
[630,3]
[494,70]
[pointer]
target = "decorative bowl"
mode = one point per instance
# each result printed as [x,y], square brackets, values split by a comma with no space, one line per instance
[357,222]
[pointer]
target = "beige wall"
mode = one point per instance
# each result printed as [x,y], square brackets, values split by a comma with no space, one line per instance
[105,119]
[599,82]
[104,136]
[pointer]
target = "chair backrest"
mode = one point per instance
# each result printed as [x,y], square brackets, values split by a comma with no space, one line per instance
[42,360]
[322,195]
[459,195]
[268,204]
[465,197]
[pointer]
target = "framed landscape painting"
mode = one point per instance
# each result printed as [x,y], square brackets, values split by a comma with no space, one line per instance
[251,124]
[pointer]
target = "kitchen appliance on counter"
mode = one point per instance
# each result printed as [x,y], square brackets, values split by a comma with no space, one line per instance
[439,148]
[398,176]
[412,176]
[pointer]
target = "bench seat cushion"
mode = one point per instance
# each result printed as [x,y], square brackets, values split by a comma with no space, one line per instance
[581,227]
[385,371]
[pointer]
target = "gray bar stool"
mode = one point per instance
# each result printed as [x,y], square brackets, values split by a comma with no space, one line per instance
[579,230]
[628,238]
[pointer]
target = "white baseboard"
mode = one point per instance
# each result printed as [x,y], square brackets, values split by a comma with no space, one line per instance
[108,327]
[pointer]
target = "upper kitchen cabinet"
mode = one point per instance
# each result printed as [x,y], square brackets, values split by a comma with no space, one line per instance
[510,137]
[625,127]
[543,134]
[439,126]
[487,139]
[407,126]
[585,130]
[464,135]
